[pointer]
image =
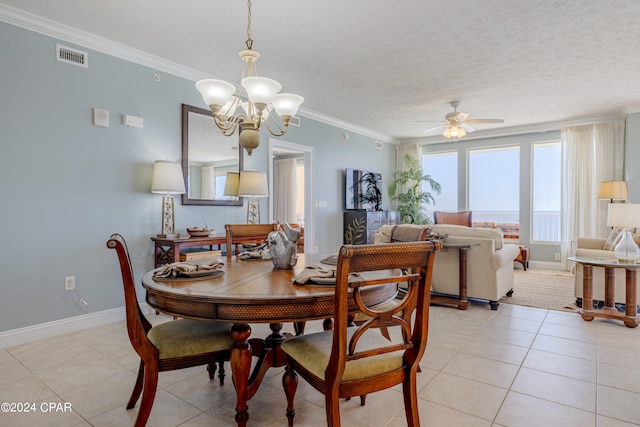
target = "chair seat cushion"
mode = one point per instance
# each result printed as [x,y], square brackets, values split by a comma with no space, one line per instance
[313,351]
[184,337]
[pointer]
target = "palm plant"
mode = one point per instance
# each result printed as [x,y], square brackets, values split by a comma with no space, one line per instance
[411,202]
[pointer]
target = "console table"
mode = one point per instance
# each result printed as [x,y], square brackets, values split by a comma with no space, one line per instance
[461,301]
[630,316]
[167,250]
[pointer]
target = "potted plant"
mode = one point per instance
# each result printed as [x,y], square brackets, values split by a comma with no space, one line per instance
[410,203]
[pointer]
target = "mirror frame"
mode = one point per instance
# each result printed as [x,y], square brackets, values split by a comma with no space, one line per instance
[186,109]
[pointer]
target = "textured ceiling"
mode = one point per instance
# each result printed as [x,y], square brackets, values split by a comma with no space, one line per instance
[383,65]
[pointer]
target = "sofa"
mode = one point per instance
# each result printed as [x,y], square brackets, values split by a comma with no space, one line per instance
[489,259]
[596,247]
[489,263]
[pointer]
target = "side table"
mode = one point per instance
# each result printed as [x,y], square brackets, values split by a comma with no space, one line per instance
[167,251]
[630,316]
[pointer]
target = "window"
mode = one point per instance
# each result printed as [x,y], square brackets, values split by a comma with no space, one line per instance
[546,201]
[443,168]
[494,188]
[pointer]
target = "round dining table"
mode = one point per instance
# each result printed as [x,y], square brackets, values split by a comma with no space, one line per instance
[253,291]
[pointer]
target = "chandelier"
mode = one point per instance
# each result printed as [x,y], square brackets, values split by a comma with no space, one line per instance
[264,103]
[454,131]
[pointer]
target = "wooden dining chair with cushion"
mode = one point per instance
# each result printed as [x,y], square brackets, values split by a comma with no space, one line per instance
[455,218]
[355,361]
[168,346]
[246,234]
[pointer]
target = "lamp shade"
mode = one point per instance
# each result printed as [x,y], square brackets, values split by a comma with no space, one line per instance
[253,184]
[167,178]
[231,184]
[623,215]
[261,90]
[612,190]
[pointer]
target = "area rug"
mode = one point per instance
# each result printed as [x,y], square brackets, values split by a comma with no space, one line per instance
[552,290]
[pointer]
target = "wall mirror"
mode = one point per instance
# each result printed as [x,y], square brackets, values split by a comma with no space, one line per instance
[207,156]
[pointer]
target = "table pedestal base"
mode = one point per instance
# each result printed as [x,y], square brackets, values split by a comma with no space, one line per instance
[588,313]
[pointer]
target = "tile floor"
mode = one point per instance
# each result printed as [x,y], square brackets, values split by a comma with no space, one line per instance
[516,366]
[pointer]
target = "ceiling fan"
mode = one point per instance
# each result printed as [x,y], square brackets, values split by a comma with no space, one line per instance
[456,124]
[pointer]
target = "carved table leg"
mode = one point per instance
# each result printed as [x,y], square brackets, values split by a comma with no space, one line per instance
[463,302]
[240,362]
[587,292]
[631,313]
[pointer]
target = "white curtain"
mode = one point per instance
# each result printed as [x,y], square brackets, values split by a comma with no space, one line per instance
[285,190]
[415,151]
[591,154]
[208,182]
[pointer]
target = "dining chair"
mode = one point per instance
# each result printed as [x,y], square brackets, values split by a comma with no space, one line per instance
[246,234]
[355,361]
[455,218]
[168,346]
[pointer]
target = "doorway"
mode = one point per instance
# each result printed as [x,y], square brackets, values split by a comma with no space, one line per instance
[278,148]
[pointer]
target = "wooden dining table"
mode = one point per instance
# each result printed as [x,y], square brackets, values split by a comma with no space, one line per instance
[253,291]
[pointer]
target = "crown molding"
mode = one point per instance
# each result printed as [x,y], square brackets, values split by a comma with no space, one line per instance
[56,30]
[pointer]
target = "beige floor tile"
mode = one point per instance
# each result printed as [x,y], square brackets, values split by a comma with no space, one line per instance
[618,357]
[506,335]
[206,420]
[619,404]
[203,393]
[464,395]
[619,377]
[436,358]
[447,339]
[555,388]
[167,411]
[521,312]
[101,396]
[567,347]
[602,421]
[567,366]
[11,369]
[516,323]
[564,318]
[495,350]
[432,414]
[483,370]
[27,389]
[587,333]
[520,410]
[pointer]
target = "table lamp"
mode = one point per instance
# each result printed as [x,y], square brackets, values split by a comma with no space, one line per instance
[253,184]
[626,215]
[612,190]
[167,180]
[231,185]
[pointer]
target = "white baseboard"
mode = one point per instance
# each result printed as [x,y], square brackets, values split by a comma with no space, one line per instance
[546,265]
[64,326]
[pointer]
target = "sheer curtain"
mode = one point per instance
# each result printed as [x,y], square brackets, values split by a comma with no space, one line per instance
[285,189]
[591,153]
[208,182]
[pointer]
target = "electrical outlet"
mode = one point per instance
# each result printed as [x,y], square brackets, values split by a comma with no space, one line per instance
[557,256]
[69,283]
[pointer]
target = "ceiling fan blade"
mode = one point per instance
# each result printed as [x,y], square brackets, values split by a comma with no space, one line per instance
[485,121]
[437,128]
[461,116]
[466,127]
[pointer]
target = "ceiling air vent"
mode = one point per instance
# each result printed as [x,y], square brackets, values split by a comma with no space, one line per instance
[72,56]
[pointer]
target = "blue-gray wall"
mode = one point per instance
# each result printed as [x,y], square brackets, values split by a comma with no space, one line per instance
[67,185]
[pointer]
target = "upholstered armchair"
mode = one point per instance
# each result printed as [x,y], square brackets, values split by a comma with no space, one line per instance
[456,218]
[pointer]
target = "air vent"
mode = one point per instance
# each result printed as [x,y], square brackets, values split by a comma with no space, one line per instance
[294,121]
[72,56]
[379,145]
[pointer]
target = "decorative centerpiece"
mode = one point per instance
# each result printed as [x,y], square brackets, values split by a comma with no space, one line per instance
[283,247]
[200,232]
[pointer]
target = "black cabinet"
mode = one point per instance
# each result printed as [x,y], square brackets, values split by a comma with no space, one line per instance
[359,227]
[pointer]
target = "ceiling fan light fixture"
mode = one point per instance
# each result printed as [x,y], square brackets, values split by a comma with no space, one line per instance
[454,131]
[261,95]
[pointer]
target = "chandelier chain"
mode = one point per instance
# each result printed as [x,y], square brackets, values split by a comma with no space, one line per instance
[249,41]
